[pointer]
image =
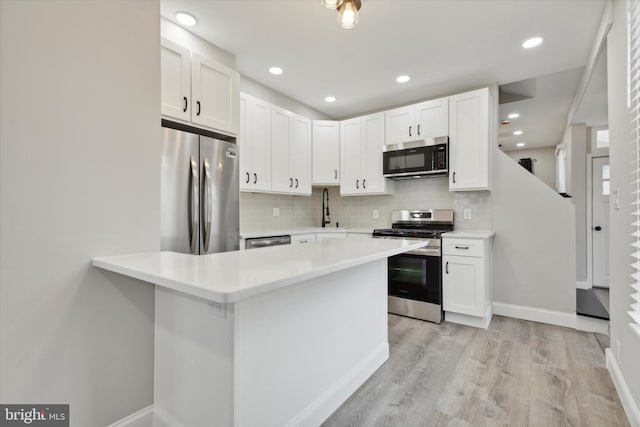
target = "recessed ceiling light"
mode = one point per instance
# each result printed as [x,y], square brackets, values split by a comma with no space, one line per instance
[520,144]
[403,79]
[330,99]
[276,71]
[518,132]
[532,42]
[186,19]
[514,115]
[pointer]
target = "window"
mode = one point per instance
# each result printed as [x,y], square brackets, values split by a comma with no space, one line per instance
[634,103]
[602,138]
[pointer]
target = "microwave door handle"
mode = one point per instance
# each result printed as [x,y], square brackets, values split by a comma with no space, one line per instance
[193,223]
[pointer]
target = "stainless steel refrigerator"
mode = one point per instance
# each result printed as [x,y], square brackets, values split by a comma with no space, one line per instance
[199,191]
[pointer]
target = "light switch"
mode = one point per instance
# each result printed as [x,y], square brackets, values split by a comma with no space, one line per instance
[376,214]
[467,213]
[276,211]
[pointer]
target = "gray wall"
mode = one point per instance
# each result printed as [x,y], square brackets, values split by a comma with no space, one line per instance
[620,150]
[534,246]
[575,139]
[544,166]
[79,169]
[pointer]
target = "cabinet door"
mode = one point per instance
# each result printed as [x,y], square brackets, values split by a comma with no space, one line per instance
[463,285]
[327,236]
[326,152]
[351,154]
[432,118]
[175,72]
[469,150]
[215,95]
[300,154]
[281,178]
[373,140]
[400,125]
[254,140]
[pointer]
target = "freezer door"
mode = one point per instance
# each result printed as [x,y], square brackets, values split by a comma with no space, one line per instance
[220,196]
[179,197]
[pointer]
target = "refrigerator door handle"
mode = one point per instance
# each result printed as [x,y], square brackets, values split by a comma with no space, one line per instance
[193,206]
[206,229]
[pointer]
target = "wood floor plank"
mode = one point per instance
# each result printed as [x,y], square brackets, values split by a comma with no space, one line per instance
[515,373]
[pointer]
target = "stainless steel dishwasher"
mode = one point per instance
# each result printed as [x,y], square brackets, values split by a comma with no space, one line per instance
[263,242]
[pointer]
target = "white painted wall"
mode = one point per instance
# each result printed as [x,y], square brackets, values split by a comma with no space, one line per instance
[575,139]
[621,168]
[534,246]
[544,166]
[79,170]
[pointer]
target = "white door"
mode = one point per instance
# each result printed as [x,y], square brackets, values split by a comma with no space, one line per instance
[600,221]
[400,125]
[462,285]
[372,180]
[326,152]
[175,66]
[215,95]
[281,179]
[300,154]
[350,156]
[433,118]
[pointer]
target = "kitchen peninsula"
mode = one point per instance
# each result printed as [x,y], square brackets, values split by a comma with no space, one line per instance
[269,337]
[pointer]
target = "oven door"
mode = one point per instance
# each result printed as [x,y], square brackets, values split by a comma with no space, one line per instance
[409,160]
[415,276]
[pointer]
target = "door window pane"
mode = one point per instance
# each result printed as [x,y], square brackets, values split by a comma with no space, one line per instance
[605,172]
[602,138]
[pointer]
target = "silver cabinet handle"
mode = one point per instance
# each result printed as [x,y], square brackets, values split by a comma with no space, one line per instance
[335,173]
[206,208]
[462,247]
[303,241]
[193,206]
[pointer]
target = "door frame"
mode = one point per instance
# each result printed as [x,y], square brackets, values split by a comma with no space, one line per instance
[590,157]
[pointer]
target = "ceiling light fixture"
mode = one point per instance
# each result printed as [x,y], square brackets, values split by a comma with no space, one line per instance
[276,71]
[532,42]
[347,11]
[514,115]
[520,144]
[330,99]
[403,79]
[186,19]
[518,132]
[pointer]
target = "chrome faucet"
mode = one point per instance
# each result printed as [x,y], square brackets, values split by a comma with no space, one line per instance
[325,209]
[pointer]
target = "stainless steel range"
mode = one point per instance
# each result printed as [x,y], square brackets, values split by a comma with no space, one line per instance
[415,278]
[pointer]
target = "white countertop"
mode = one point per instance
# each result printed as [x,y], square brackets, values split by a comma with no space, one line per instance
[469,234]
[250,234]
[232,276]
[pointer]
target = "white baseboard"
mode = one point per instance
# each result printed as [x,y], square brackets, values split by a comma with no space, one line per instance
[559,318]
[325,405]
[131,418]
[583,285]
[463,319]
[590,324]
[629,405]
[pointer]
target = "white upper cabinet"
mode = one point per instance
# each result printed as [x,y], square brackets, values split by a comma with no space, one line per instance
[175,66]
[427,119]
[469,136]
[215,95]
[326,152]
[361,142]
[254,140]
[198,90]
[290,152]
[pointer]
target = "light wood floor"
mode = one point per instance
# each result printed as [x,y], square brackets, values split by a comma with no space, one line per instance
[516,373]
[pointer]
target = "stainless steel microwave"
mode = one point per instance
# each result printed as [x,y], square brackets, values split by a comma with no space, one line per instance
[416,159]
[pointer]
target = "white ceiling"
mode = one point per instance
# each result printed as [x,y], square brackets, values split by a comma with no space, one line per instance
[444,45]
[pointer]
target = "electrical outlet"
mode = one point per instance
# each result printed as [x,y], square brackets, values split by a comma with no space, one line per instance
[276,211]
[467,213]
[376,214]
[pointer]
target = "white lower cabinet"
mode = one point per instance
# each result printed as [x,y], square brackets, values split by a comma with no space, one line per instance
[466,281]
[326,235]
[298,239]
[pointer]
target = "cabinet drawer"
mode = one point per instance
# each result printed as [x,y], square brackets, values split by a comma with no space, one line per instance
[463,247]
[303,238]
